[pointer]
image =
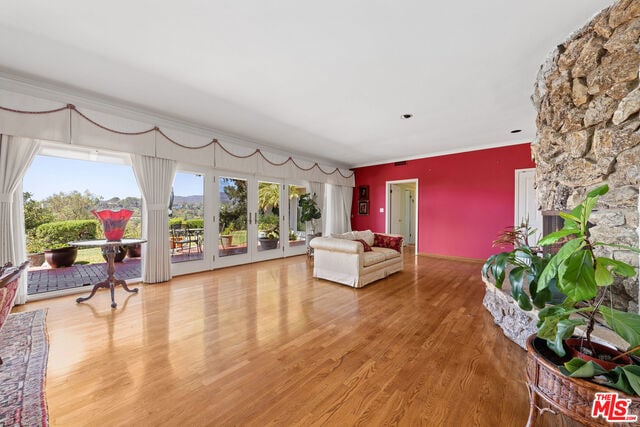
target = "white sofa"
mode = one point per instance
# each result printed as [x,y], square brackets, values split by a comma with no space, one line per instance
[343,259]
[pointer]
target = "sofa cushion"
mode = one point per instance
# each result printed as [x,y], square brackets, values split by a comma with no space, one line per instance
[388,253]
[347,236]
[366,235]
[365,245]
[386,241]
[370,258]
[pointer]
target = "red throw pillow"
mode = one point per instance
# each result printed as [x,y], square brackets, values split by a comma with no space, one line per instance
[367,248]
[390,242]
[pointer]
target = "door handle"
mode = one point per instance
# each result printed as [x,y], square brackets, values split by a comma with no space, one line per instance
[249,218]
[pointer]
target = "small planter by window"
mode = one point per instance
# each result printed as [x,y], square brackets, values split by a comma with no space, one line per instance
[266,243]
[134,251]
[61,257]
[36,260]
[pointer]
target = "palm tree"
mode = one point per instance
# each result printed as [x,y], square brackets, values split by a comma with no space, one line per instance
[268,196]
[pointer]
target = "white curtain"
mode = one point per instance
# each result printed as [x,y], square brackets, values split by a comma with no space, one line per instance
[347,200]
[16,155]
[338,209]
[155,178]
[317,188]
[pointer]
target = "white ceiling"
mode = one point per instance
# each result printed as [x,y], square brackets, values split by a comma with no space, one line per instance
[326,80]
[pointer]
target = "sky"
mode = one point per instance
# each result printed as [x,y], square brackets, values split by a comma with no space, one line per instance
[51,175]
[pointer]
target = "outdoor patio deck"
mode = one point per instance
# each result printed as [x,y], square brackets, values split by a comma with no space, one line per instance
[45,279]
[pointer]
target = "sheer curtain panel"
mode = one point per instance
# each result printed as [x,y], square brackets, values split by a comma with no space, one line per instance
[155,178]
[16,155]
[338,218]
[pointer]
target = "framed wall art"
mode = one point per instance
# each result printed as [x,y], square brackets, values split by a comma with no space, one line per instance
[363,207]
[363,192]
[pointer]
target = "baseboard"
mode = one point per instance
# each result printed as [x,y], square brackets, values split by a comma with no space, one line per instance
[453,258]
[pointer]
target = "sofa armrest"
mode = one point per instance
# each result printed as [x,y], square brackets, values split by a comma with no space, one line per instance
[336,245]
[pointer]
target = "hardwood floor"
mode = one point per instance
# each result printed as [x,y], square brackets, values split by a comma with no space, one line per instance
[266,344]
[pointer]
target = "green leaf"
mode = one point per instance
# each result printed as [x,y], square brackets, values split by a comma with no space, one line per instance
[618,380]
[516,278]
[632,374]
[557,235]
[555,327]
[498,268]
[569,217]
[551,270]
[548,274]
[539,297]
[487,265]
[603,275]
[568,249]
[627,325]
[576,277]
[599,191]
[606,267]
[579,368]
[614,245]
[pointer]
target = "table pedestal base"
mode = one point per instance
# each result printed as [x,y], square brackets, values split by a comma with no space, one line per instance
[111,282]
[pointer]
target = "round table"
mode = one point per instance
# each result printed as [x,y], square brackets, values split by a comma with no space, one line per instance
[109,249]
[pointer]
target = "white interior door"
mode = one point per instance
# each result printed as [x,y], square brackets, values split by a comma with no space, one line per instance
[526,205]
[397,209]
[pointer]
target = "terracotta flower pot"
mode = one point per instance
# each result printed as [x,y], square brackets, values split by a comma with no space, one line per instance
[268,243]
[36,260]
[575,344]
[134,251]
[61,257]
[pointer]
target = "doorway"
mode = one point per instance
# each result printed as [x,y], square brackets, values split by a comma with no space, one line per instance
[526,207]
[402,210]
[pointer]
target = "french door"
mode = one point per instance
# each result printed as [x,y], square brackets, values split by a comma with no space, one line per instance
[246,219]
[252,219]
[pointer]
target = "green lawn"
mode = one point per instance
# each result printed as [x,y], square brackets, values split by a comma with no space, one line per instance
[89,256]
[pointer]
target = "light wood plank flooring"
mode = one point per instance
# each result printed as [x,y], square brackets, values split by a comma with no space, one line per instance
[266,344]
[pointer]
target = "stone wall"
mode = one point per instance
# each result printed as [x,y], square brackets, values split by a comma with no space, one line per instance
[588,99]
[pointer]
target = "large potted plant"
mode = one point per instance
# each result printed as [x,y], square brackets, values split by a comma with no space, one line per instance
[55,237]
[309,211]
[583,277]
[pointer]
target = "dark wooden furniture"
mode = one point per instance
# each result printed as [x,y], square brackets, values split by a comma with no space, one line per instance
[553,392]
[9,276]
[109,248]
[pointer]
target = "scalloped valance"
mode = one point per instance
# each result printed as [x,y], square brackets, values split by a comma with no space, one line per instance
[88,128]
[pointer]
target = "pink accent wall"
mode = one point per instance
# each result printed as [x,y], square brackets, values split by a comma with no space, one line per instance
[464,199]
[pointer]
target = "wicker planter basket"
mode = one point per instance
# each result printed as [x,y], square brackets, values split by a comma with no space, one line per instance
[570,396]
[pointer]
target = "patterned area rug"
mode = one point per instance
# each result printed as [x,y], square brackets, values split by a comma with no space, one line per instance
[24,347]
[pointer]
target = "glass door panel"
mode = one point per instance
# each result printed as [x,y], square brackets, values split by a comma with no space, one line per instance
[233,214]
[186,221]
[295,244]
[269,230]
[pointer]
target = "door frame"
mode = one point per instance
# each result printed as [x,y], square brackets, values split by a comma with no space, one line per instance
[517,214]
[206,263]
[388,185]
[298,249]
[254,253]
